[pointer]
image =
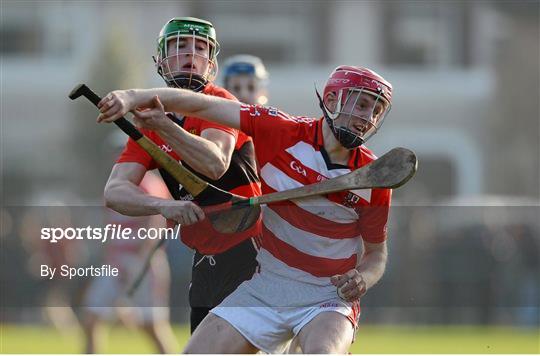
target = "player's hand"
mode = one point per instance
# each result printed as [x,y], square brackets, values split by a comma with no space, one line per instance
[183,212]
[350,286]
[152,118]
[115,105]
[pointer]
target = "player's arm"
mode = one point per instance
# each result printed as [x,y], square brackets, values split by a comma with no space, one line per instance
[209,154]
[222,111]
[373,262]
[368,272]
[122,194]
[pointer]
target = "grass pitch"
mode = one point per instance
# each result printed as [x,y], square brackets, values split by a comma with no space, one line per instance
[29,339]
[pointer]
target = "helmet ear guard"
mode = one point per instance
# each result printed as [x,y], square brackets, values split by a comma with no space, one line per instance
[346,137]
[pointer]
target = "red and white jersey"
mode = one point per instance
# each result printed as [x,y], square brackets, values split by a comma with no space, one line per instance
[315,238]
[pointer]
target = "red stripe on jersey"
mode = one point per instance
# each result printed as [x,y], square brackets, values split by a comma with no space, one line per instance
[304,220]
[248,190]
[316,266]
[208,241]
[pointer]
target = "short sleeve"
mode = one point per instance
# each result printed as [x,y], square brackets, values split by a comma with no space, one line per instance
[210,125]
[134,153]
[374,217]
[214,90]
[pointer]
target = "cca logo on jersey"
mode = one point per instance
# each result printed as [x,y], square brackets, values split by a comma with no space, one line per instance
[295,167]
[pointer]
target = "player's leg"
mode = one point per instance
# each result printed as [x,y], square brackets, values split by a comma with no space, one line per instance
[196,316]
[216,277]
[157,326]
[94,333]
[153,299]
[216,336]
[200,288]
[162,336]
[327,333]
[98,301]
[294,347]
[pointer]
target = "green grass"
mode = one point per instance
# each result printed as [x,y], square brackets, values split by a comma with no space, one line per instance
[370,339]
[446,339]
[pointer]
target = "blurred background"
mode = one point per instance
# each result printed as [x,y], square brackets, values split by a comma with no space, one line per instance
[464,266]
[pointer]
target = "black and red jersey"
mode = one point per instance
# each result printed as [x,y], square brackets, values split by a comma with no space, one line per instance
[241,178]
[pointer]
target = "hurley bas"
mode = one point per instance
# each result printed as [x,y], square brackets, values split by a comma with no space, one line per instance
[75,272]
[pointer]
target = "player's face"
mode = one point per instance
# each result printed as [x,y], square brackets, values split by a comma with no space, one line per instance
[187,55]
[362,112]
[247,89]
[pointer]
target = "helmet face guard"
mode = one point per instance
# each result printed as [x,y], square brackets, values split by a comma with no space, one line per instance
[187,53]
[362,102]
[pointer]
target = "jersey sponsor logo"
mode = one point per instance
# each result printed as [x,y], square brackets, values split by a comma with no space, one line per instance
[329,305]
[166,148]
[298,168]
[351,200]
[253,111]
[299,119]
[272,111]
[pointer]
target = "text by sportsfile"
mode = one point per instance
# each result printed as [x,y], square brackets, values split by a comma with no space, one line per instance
[74,272]
[109,232]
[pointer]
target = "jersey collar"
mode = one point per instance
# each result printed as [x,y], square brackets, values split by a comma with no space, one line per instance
[355,160]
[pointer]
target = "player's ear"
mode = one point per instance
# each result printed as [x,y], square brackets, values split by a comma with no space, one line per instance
[330,101]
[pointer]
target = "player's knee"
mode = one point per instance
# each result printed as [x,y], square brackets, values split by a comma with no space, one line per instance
[326,346]
[320,349]
[205,347]
[190,350]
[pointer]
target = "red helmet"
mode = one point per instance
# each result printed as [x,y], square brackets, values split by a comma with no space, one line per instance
[358,77]
[349,84]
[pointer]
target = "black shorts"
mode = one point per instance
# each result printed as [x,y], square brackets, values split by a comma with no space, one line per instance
[215,277]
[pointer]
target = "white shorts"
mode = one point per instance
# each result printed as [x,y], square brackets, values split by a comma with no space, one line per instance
[105,295]
[269,310]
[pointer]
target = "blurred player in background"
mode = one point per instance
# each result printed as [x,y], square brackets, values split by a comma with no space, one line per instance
[246,78]
[186,58]
[57,306]
[105,299]
[311,276]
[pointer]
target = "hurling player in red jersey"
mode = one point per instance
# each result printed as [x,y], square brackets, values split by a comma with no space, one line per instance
[187,58]
[246,77]
[311,275]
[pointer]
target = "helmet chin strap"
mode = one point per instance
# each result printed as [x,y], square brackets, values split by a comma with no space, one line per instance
[346,137]
[192,82]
